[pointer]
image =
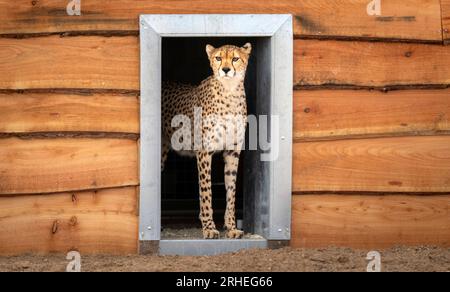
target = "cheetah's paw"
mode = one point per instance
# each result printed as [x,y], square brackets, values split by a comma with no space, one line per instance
[234,234]
[210,234]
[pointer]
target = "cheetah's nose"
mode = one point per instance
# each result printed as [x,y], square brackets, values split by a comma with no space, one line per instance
[226,70]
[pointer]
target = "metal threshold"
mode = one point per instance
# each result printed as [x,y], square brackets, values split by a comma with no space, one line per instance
[197,247]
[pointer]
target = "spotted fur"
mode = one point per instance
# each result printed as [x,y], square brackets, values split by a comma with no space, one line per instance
[223,95]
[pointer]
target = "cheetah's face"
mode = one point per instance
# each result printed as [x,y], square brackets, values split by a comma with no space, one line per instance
[229,62]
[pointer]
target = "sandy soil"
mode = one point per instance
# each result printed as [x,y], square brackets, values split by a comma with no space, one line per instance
[287,259]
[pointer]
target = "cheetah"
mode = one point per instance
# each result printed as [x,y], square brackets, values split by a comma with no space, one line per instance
[222,97]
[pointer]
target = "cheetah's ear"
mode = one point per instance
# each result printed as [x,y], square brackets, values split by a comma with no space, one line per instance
[247,48]
[209,50]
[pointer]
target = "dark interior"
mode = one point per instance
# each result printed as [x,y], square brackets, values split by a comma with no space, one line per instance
[185,60]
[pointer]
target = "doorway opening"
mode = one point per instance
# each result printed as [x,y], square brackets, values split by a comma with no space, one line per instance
[179,181]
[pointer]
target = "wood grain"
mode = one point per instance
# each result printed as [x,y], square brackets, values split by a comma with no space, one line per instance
[446,20]
[399,164]
[49,112]
[373,64]
[340,114]
[370,222]
[113,63]
[58,165]
[70,62]
[89,222]
[414,20]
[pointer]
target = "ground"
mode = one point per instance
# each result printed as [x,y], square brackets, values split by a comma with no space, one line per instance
[286,259]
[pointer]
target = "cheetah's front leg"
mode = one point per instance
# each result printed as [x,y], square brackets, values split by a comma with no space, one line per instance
[204,160]
[231,167]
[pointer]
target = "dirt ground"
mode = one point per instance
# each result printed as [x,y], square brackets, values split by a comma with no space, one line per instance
[287,259]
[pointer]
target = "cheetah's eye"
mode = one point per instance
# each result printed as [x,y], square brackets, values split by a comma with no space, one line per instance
[218,59]
[235,59]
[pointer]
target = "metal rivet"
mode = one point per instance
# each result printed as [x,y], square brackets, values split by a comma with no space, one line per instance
[149,228]
[283,138]
[280,230]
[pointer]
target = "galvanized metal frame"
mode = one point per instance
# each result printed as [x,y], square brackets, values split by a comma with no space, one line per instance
[277,82]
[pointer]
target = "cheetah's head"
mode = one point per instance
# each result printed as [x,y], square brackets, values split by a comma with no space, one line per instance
[229,62]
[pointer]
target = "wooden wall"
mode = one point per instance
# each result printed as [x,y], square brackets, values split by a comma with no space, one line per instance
[371,144]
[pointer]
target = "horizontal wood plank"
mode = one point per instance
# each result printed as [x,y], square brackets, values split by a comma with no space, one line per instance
[416,19]
[48,112]
[369,64]
[370,222]
[58,165]
[446,20]
[340,114]
[88,62]
[89,222]
[399,164]
[70,62]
